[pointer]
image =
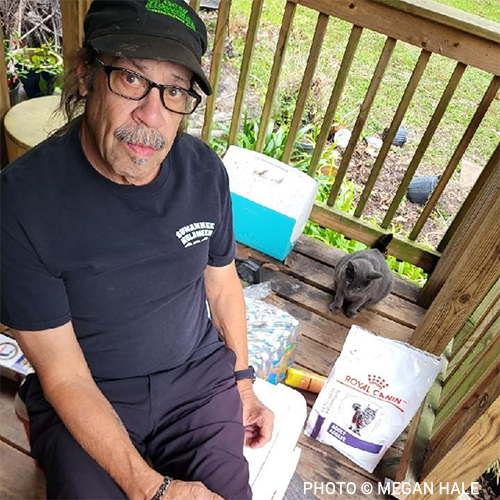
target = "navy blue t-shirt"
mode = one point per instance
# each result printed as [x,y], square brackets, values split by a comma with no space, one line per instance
[124,263]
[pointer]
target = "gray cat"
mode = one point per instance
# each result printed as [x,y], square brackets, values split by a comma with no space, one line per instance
[362,279]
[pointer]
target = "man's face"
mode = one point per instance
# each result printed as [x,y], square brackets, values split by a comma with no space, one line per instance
[127,140]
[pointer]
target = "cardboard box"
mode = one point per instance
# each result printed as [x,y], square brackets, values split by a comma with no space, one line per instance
[13,363]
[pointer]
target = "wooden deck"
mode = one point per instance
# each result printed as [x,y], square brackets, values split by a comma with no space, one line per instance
[303,286]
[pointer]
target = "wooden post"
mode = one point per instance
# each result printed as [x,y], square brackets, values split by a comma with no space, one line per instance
[475,270]
[463,456]
[195,4]
[484,177]
[457,155]
[418,71]
[4,103]
[486,362]
[73,13]
[462,238]
[342,75]
[424,142]
[469,407]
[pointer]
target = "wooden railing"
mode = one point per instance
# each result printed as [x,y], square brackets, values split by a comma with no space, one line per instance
[456,434]
[434,28]
[455,437]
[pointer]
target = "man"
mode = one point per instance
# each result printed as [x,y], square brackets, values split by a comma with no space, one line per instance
[115,232]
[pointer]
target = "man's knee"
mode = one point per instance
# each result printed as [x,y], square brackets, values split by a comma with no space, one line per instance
[69,471]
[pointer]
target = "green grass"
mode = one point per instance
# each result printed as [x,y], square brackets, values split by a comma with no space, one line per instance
[489,9]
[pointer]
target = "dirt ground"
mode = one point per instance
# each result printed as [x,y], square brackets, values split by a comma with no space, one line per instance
[387,184]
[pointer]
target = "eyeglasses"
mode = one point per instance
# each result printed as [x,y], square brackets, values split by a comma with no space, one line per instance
[132,85]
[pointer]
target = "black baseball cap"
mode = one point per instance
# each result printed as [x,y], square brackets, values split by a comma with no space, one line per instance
[163,30]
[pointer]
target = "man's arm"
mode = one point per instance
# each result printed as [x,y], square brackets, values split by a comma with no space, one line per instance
[227,308]
[69,387]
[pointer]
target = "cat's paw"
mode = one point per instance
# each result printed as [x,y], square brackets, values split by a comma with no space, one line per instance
[334,308]
[350,314]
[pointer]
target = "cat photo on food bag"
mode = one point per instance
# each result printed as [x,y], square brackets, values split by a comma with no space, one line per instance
[362,279]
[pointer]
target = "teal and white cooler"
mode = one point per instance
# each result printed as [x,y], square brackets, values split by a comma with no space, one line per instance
[271,201]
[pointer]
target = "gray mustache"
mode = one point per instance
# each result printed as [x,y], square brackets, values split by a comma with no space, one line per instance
[142,135]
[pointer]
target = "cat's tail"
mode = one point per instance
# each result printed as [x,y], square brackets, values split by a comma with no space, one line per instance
[383,242]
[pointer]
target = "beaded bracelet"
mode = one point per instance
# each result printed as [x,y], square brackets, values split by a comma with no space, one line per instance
[163,488]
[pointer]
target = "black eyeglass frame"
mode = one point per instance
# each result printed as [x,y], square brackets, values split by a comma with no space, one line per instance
[108,69]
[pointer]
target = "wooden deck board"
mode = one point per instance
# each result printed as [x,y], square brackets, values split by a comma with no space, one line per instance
[323,330]
[320,276]
[11,429]
[19,477]
[327,255]
[327,467]
[318,301]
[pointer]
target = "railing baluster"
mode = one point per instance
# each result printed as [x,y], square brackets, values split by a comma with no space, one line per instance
[345,66]
[490,301]
[485,361]
[424,143]
[195,4]
[396,122]
[279,57]
[215,65]
[478,340]
[493,163]
[312,62]
[245,68]
[383,61]
[457,155]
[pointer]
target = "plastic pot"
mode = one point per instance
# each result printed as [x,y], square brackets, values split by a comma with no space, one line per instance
[420,189]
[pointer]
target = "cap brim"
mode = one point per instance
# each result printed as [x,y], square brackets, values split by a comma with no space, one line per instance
[156,48]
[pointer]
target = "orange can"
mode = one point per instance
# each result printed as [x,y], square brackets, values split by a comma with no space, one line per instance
[302,379]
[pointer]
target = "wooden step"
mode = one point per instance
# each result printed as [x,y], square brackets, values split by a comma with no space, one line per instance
[19,477]
[11,429]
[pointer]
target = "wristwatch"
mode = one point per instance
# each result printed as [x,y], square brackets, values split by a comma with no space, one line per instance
[248,374]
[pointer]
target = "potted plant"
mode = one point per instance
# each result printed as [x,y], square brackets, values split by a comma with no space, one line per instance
[17,64]
[45,69]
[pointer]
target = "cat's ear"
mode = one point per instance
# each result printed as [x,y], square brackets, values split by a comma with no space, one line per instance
[374,275]
[350,269]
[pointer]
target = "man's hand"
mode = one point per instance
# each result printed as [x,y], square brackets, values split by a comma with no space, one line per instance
[182,490]
[257,418]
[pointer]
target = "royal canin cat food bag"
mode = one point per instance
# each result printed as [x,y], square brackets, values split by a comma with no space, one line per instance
[373,391]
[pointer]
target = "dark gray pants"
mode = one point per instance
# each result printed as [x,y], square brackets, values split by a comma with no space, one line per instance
[188,421]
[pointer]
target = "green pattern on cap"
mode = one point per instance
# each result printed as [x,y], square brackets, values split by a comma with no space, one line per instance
[172,9]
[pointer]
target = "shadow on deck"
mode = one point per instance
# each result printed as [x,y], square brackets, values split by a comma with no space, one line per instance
[303,286]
